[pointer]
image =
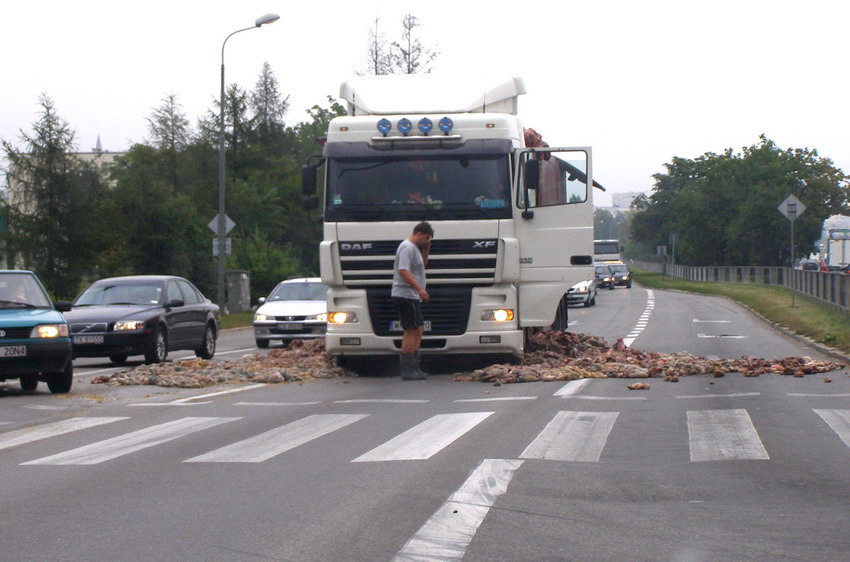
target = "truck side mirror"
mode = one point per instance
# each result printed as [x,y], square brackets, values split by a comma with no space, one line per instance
[308,179]
[531,177]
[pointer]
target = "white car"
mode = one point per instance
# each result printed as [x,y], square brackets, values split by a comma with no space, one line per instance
[583,292]
[296,309]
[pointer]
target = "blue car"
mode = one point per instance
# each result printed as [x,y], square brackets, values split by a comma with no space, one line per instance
[35,344]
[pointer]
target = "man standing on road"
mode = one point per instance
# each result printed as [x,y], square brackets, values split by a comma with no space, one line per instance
[409,293]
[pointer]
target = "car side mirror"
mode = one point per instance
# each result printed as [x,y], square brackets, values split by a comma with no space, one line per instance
[63,306]
[261,301]
[175,303]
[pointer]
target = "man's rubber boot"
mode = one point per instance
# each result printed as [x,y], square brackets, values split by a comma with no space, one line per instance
[407,362]
[422,374]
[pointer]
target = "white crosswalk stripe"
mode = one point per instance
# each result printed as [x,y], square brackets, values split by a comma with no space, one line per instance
[839,421]
[718,435]
[572,436]
[47,430]
[426,439]
[279,440]
[131,442]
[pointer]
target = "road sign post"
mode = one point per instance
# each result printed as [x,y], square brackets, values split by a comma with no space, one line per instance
[792,208]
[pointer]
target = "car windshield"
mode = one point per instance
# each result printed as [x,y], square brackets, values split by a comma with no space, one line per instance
[619,268]
[22,290]
[602,270]
[124,293]
[299,292]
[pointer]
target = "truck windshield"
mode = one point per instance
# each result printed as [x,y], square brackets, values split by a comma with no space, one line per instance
[418,187]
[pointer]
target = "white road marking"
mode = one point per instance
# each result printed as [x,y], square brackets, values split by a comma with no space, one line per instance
[210,395]
[39,407]
[30,434]
[131,442]
[501,399]
[279,440]
[839,421]
[724,336]
[643,321]
[717,435]
[612,397]
[426,439]
[572,436]
[448,532]
[732,395]
[710,321]
[572,388]
[276,403]
[380,401]
[810,395]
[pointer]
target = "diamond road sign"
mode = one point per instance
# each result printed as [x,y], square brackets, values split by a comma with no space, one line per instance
[228,224]
[791,207]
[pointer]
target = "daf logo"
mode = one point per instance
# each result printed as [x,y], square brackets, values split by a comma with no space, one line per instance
[363,246]
[483,243]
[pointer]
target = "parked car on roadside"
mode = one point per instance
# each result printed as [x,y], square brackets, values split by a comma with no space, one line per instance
[604,276]
[146,315]
[295,309]
[583,292]
[34,339]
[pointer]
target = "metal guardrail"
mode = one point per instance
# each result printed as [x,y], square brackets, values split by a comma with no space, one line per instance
[829,287]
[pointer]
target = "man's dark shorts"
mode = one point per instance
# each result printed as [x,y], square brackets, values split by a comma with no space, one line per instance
[409,312]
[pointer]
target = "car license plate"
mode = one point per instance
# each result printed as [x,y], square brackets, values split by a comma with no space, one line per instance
[395,326]
[88,339]
[288,326]
[13,351]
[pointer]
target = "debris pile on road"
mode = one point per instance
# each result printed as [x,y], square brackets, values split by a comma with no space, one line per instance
[552,356]
[564,356]
[300,361]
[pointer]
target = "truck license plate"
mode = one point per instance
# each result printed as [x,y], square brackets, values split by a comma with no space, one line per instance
[13,351]
[395,326]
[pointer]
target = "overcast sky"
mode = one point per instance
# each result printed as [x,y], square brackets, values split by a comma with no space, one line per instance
[640,82]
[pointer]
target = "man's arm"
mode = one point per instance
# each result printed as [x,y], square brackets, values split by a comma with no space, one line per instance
[408,278]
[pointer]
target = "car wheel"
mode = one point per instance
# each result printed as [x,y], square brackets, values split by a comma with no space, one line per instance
[207,349]
[158,350]
[629,285]
[60,383]
[593,301]
[263,344]
[118,358]
[611,287]
[29,382]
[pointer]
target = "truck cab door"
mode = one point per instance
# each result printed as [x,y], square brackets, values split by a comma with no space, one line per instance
[554,227]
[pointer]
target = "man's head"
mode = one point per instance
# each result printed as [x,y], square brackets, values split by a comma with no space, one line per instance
[422,234]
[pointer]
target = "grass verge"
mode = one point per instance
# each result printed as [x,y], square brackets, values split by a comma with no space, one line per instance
[237,320]
[818,321]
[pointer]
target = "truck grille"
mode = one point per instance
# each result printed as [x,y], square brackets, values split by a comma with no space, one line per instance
[447,310]
[466,261]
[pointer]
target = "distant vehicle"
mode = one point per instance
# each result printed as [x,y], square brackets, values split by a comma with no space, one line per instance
[606,250]
[295,309]
[34,338]
[146,315]
[622,275]
[583,292]
[838,249]
[604,276]
[810,265]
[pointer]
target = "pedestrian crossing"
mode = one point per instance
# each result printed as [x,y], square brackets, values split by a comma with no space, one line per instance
[569,436]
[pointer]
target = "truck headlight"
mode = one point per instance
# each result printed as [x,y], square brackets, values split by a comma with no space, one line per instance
[341,317]
[497,315]
[50,331]
[323,317]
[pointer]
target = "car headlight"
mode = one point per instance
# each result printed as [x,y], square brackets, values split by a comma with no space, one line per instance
[498,315]
[323,317]
[50,331]
[260,317]
[125,325]
[341,317]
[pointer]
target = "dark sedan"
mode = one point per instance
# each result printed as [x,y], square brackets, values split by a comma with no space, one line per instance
[146,315]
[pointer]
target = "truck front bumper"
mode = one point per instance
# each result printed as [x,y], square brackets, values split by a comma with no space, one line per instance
[471,343]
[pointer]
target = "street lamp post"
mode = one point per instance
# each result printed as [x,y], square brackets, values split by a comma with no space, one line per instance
[221,231]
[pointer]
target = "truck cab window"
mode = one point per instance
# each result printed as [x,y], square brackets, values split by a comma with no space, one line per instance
[561,179]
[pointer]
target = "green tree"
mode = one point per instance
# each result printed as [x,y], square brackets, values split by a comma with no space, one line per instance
[409,56]
[268,106]
[723,207]
[54,196]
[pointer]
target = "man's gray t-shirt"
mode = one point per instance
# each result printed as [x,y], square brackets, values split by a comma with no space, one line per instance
[408,257]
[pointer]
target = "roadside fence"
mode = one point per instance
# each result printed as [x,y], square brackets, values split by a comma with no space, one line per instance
[829,287]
